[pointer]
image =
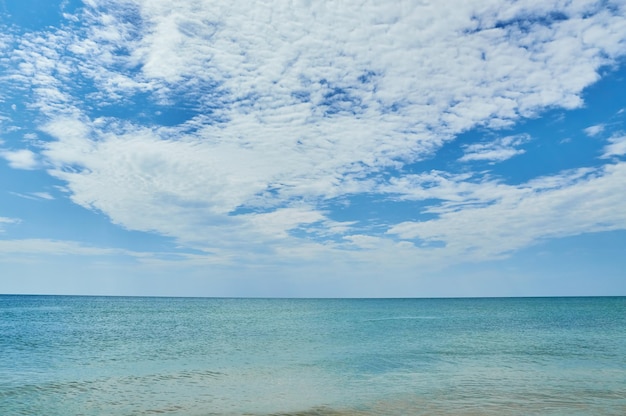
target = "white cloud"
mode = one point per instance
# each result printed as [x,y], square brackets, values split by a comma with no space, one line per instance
[29,248]
[5,220]
[285,107]
[20,159]
[576,202]
[617,147]
[43,195]
[53,247]
[495,151]
[594,130]
[34,195]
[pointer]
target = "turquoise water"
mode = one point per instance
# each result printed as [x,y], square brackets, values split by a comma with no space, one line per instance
[174,356]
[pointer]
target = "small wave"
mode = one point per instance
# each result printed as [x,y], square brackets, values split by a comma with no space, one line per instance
[323,411]
[174,376]
[396,318]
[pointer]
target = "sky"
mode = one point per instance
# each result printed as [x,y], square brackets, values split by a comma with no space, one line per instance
[313,149]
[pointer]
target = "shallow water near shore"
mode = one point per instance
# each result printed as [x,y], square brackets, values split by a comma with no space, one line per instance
[62,355]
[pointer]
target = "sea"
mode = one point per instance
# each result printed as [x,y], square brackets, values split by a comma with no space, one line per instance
[73,355]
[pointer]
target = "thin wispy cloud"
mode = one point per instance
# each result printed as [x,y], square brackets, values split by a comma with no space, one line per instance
[495,151]
[5,221]
[616,146]
[35,195]
[511,217]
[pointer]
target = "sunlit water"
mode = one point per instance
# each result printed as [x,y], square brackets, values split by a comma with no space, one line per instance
[143,356]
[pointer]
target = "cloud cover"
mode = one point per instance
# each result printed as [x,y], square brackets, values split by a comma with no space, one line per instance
[232,126]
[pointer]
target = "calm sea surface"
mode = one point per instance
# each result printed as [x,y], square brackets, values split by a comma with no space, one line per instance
[174,356]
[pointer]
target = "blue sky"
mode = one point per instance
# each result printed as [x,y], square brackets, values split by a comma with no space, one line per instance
[205,148]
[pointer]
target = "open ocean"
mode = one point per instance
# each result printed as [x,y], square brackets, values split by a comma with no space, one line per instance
[64,355]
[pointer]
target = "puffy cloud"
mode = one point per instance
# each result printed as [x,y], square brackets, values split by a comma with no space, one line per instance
[594,130]
[20,159]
